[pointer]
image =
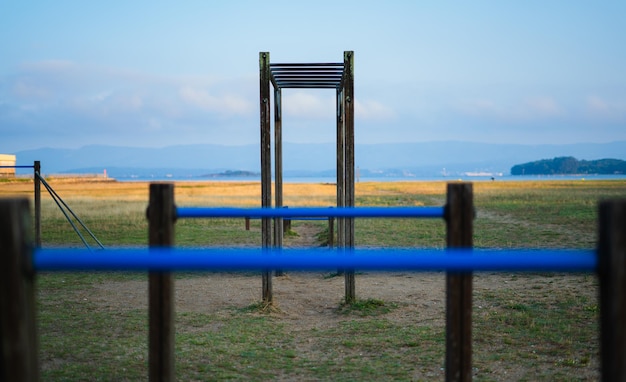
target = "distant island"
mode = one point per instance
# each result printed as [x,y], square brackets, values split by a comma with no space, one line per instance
[570,165]
[230,173]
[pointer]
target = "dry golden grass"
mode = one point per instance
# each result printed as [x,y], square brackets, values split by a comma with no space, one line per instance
[248,194]
[407,187]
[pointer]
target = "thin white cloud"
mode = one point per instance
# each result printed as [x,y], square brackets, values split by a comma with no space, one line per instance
[531,108]
[542,107]
[101,91]
[599,107]
[308,104]
[104,104]
[478,107]
[27,90]
[83,101]
[154,124]
[223,104]
[372,110]
[48,66]
[95,103]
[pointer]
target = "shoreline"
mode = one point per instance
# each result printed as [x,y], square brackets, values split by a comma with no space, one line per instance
[325,181]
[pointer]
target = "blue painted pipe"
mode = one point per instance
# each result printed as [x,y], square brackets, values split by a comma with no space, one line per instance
[311,212]
[196,259]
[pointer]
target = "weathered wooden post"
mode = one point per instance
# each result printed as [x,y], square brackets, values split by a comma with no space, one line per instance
[331,232]
[278,171]
[612,277]
[348,94]
[161,217]
[37,183]
[459,234]
[17,296]
[341,171]
[266,166]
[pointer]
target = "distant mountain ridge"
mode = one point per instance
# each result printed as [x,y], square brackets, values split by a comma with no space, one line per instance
[420,159]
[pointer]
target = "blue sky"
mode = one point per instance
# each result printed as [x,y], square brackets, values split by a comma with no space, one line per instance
[151,73]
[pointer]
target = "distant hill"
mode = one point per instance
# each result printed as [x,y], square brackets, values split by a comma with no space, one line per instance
[570,165]
[390,159]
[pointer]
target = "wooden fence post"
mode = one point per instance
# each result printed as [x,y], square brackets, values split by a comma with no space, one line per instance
[161,217]
[18,335]
[37,197]
[459,234]
[286,223]
[612,277]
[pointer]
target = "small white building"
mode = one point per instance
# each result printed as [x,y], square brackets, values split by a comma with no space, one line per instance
[7,160]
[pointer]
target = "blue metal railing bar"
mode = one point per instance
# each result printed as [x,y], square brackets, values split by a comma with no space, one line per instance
[311,212]
[197,259]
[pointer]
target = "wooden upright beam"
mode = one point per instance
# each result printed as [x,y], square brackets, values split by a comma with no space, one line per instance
[161,216]
[612,277]
[18,338]
[266,166]
[459,234]
[278,170]
[341,171]
[348,95]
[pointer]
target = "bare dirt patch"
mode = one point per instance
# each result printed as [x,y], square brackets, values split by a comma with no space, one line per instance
[309,298]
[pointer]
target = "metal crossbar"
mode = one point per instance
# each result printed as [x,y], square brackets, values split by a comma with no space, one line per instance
[302,75]
[399,259]
[343,212]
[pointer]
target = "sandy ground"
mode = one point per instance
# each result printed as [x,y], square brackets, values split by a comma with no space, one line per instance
[310,298]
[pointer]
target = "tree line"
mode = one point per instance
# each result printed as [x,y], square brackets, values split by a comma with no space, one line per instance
[570,165]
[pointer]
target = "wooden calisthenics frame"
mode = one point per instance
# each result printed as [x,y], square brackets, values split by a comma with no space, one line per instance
[338,76]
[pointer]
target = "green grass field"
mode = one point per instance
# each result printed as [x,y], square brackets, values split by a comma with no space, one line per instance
[526,326]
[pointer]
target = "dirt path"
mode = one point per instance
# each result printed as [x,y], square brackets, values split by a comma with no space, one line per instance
[307,299]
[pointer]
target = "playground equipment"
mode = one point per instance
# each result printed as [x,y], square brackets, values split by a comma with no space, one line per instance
[338,76]
[19,264]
